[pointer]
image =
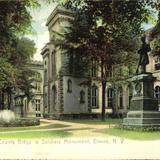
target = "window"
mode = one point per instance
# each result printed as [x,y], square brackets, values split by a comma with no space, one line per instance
[157,63]
[94,69]
[53,64]
[82,97]
[45,76]
[38,87]
[54,95]
[69,86]
[110,97]
[38,115]
[94,96]
[45,99]
[38,76]
[38,104]
[120,94]
[157,92]
[130,94]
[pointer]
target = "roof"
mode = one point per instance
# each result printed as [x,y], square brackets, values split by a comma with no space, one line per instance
[58,10]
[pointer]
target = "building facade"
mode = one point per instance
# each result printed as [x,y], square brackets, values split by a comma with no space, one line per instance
[68,95]
[61,91]
[65,94]
[33,107]
[154,68]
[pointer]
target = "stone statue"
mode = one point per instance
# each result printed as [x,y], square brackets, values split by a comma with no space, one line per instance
[143,59]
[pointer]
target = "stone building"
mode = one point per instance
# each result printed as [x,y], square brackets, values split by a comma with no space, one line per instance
[33,107]
[66,95]
[154,68]
[62,93]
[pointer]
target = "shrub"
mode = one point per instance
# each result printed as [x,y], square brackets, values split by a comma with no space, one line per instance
[20,122]
[139,128]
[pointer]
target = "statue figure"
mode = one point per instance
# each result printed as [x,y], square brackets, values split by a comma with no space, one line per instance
[143,59]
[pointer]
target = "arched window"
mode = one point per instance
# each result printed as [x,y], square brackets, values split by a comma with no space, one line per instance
[53,64]
[69,86]
[94,69]
[130,94]
[157,63]
[45,99]
[157,92]
[45,76]
[110,97]
[54,95]
[82,96]
[94,96]
[120,94]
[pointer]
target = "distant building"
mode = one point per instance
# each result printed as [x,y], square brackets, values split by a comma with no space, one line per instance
[34,107]
[154,67]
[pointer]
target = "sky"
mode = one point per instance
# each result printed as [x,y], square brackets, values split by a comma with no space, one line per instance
[41,35]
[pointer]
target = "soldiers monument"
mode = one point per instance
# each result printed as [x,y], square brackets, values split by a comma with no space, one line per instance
[143,107]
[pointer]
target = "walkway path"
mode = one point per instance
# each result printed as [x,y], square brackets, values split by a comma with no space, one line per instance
[79,125]
[77,129]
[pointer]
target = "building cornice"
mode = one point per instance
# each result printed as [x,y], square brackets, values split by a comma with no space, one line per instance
[45,50]
[61,11]
[36,65]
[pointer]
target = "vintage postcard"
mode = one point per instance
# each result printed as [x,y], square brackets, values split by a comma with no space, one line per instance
[79,79]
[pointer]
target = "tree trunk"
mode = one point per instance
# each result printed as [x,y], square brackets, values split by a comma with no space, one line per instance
[103,117]
[103,77]
[2,100]
[8,100]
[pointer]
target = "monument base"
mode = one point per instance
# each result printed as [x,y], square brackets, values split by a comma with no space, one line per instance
[142,119]
[144,107]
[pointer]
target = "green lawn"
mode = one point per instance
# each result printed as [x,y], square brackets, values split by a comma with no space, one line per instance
[134,135]
[49,126]
[35,134]
[28,132]
[96,121]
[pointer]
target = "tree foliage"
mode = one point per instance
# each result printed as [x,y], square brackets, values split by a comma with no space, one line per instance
[105,31]
[15,51]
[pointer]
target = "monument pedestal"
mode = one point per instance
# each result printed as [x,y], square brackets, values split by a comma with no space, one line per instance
[144,107]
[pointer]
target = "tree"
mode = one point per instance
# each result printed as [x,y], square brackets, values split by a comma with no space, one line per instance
[110,43]
[15,20]
[15,52]
[25,51]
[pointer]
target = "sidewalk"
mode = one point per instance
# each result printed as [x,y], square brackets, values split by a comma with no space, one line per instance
[79,125]
[70,126]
